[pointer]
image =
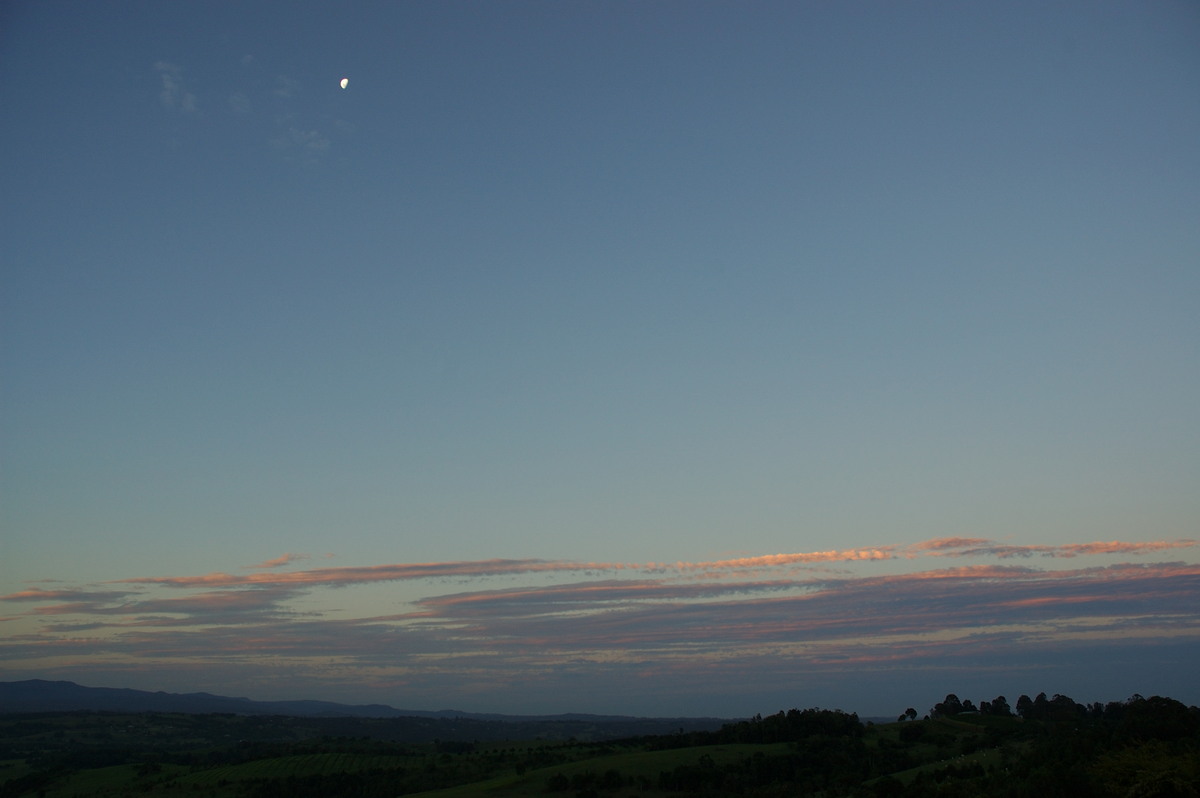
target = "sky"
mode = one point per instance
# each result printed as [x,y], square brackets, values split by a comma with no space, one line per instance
[648,358]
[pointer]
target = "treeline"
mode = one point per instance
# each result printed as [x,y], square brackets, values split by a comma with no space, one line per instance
[1049,747]
[782,727]
[1054,746]
[822,751]
[1155,717]
[790,726]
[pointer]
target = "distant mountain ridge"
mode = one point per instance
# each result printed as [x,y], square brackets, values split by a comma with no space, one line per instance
[39,695]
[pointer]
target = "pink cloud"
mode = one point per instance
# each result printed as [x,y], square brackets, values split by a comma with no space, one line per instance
[670,607]
[583,595]
[938,544]
[1120,547]
[978,547]
[481,568]
[284,559]
[741,566]
[671,631]
[976,572]
[646,615]
[372,573]
[37,594]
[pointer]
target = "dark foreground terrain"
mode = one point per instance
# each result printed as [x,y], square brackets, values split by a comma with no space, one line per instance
[1141,748]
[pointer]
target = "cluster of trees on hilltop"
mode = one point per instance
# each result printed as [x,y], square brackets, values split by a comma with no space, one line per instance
[1048,747]
[790,726]
[952,705]
[782,727]
[1134,712]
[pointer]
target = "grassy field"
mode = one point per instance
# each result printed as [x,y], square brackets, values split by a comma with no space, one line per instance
[169,780]
[299,765]
[629,764]
[108,781]
[171,756]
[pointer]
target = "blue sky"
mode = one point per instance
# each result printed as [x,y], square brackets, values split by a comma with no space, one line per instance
[641,287]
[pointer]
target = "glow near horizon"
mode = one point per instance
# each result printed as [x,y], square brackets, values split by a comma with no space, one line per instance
[682,620]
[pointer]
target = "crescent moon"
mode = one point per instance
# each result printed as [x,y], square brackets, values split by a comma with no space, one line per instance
[345,82]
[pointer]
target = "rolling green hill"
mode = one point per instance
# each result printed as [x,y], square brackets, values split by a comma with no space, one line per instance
[1143,747]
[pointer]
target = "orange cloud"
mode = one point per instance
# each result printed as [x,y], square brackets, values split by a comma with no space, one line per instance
[775,560]
[478,568]
[716,569]
[681,629]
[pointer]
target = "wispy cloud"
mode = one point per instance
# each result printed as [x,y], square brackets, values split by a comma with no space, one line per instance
[686,623]
[363,574]
[945,547]
[845,608]
[975,547]
[280,561]
[240,104]
[211,607]
[286,87]
[173,95]
[944,544]
[307,146]
[39,595]
[296,133]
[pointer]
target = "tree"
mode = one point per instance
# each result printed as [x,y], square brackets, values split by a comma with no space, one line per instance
[1063,708]
[1158,718]
[1000,706]
[1024,705]
[951,706]
[1040,705]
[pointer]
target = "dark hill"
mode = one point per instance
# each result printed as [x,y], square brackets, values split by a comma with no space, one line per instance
[38,695]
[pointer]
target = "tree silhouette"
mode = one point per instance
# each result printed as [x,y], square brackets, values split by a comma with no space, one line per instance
[950,706]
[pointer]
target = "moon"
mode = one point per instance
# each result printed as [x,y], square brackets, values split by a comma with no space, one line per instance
[345,82]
